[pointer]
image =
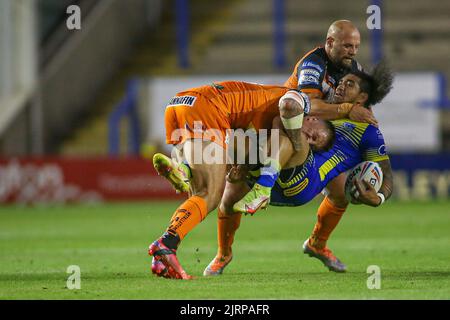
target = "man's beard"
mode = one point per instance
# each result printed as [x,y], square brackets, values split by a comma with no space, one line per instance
[345,66]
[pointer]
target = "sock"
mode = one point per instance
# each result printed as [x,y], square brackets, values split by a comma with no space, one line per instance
[226,229]
[328,216]
[186,217]
[269,173]
[186,168]
[171,241]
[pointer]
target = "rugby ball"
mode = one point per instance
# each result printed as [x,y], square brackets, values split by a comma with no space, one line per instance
[367,170]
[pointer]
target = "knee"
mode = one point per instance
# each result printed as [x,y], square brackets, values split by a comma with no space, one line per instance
[338,200]
[214,197]
[212,201]
[226,207]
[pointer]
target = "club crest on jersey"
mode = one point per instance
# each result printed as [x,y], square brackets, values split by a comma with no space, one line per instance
[182,101]
[349,126]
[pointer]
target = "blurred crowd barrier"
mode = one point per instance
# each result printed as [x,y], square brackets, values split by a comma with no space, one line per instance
[420,177]
[61,181]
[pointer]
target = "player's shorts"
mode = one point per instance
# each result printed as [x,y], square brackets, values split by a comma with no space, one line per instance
[297,186]
[190,115]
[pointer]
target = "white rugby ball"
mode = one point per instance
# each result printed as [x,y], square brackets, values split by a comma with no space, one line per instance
[367,170]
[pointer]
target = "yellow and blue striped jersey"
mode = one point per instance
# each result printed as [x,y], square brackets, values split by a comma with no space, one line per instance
[355,142]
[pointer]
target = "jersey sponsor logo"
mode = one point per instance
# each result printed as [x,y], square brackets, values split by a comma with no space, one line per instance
[310,72]
[308,79]
[182,101]
[310,64]
[382,150]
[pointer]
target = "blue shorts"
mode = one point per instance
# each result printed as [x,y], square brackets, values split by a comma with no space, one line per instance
[297,186]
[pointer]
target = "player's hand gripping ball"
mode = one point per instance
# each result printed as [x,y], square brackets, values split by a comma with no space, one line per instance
[368,171]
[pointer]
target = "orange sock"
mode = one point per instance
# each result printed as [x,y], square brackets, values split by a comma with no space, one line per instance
[328,216]
[226,229]
[187,216]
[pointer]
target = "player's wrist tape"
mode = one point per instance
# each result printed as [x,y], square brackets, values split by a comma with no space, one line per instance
[307,103]
[382,197]
[344,108]
[293,123]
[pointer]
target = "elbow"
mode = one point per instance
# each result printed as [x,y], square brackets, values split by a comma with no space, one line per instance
[290,108]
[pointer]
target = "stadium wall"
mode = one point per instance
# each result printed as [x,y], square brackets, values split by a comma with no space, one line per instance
[61,181]
[71,80]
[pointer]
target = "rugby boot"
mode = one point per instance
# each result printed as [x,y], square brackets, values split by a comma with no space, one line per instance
[177,175]
[217,265]
[255,199]
[326,256]
[169,259]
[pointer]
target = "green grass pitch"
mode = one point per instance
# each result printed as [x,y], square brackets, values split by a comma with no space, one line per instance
[410,242]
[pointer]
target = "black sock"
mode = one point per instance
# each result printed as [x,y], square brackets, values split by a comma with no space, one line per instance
[170,240]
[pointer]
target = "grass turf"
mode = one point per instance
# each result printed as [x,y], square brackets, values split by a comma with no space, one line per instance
[410,243]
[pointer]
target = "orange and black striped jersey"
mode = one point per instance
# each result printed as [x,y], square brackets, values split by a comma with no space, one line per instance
[315,73]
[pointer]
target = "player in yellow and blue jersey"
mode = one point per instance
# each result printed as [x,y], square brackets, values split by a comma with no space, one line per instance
[299,182]
[355,142]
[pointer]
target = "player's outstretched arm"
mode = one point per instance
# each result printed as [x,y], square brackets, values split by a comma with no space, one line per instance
[332,111]
[368,195]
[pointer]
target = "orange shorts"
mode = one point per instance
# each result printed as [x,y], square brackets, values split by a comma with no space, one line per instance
[190,115]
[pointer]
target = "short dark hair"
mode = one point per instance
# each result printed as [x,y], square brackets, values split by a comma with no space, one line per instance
[332,136]
[377,84]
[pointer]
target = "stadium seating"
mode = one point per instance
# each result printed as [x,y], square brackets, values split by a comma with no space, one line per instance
[239,40]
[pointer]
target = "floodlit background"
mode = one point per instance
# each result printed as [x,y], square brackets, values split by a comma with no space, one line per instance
[99,92]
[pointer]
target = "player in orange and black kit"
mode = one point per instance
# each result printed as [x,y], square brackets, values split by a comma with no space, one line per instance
[318,72]
[204,115]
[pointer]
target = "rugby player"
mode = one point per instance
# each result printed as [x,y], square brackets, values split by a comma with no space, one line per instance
[317,73]
[300,181]
[204,115]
